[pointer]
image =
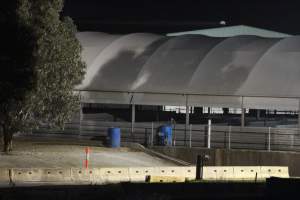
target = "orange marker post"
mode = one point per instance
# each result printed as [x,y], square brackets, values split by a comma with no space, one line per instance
[87,157]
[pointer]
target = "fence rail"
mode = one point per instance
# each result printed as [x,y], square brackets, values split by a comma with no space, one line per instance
[229,137]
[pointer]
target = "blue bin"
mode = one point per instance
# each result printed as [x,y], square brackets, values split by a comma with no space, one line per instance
[114,137]
[165,136]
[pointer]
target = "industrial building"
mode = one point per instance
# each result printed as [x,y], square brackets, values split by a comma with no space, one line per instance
[235,69]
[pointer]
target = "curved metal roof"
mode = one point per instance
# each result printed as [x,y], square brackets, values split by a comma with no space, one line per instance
[235,67]
[230,31]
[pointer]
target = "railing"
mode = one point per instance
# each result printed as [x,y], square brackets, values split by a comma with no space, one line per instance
[228,137]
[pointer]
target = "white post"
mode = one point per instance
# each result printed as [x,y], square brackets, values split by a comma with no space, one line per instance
[187,119]
[269,139]
[190,135]
[152,133]
[208,133]
[229,137]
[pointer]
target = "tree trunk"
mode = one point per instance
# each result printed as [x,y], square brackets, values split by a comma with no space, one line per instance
[7,140]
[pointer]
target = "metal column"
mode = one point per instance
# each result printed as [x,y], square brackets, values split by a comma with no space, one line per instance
[257,114]
[243,114]
[187,119]
[80,117]
[208,133]
[132,118]
[299,116]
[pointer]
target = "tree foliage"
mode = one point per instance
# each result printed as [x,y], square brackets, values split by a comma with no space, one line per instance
[40,66]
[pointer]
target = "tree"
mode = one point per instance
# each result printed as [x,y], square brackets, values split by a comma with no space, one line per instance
[40,66]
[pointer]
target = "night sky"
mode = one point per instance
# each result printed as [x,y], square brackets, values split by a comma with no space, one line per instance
[182,15]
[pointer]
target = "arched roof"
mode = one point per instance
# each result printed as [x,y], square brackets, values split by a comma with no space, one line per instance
[146,68]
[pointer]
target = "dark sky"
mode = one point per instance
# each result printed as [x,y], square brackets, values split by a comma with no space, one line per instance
[125,16]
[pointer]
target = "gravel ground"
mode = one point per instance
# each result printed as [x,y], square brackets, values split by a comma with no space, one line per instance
[57,152]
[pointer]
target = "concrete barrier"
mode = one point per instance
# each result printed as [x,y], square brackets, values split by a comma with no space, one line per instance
[4,177]
[247,173]
[114,175]
[27,175]
[218,173]
[169,171]
[83,176]
[57,175]
[166,179]
[274,171]
[189,172]
[41,176]
[101,176]
[139,174]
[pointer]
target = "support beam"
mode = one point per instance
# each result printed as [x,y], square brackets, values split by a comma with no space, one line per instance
[258,114]
[187,120]
[208,133]
[132,119]
[208,110]
[299,116]
[80,117]
[243,117]
[242,113]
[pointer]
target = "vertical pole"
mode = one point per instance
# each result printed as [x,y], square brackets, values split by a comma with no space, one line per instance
[199,167]
[87,157]
[229,137]
[299,116]
[132,119]
[257,114]
[152,133]
[269,139]
[187,119]
[208,133]
[174,134]
[190,135]
[80,118]
[242,114]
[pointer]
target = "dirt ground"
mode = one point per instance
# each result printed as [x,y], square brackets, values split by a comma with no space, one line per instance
[60,152]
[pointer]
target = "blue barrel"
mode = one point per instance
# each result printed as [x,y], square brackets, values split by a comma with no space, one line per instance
[166,136]
[114,137]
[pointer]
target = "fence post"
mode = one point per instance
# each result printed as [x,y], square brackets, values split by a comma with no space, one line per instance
[190,135]
[152,133]
[229,137]
[80,119]
[269,139]
[208,133]
[174,136]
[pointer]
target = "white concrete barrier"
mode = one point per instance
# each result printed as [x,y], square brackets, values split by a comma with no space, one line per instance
[41,176]
[114,175]
[274,171]
[83,176]
[247,173]
[139,174]
[166,179]
[101,176]
[27,175]
[4,177]
[218,173]
[169,171]
[189,172]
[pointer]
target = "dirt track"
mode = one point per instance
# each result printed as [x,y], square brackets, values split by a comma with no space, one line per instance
[57,152]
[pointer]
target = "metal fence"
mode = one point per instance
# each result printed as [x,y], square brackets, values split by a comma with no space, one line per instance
[229,137]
